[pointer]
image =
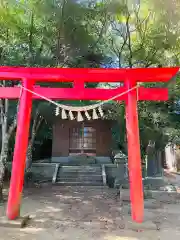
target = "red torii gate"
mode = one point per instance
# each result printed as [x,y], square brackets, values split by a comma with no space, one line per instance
[29,77]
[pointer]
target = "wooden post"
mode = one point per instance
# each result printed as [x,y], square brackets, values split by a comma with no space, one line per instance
[19,159]
[134,155]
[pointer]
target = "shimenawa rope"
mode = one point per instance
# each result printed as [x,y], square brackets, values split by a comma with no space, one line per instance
[71,109]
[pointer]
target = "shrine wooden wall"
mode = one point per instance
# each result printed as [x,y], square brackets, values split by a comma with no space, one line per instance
[61,139]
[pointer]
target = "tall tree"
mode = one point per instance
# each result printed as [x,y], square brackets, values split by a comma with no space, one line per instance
[43,33]
[142,37]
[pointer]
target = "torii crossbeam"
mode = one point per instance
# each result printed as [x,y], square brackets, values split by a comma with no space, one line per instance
[130,77]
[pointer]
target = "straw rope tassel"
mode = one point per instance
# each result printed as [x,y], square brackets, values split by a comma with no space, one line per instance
[100,111]
[95,116]
[79,117]
[87,115]
[71,115]
[63,114]
[57,111]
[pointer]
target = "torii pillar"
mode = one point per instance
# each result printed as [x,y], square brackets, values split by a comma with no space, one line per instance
[134,154]
[20,149]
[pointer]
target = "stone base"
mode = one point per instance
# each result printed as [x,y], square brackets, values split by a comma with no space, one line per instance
[20,222]
[139,227]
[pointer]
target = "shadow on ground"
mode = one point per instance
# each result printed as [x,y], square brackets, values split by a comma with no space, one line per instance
[89,213]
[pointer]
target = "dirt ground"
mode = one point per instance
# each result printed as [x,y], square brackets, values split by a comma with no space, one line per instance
[85,213]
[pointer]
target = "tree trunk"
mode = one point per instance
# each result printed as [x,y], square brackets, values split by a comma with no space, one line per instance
[4,147]
[6,134]
[28,174]
[3,161]
[2,171]
[4,151]
[36,124]
[29,153]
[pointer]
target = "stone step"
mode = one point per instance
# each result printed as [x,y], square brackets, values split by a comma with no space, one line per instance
[81,168]
[78,174]
[80,179]
[154,182]
[85,183]
[81,171]
[160,196]
[89,176]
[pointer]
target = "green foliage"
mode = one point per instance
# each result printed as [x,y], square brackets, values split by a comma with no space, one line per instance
[47,33]
[147,36]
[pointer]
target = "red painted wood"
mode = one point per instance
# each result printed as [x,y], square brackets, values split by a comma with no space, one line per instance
[152,74]
[134,156]
[149,94]
[21,143]
[152,94]
[88,75]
